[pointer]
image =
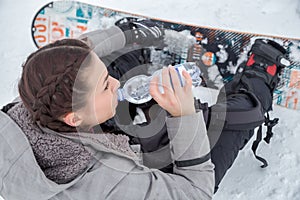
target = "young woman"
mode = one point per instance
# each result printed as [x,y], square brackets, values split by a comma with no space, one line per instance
[49,150]
[68,96]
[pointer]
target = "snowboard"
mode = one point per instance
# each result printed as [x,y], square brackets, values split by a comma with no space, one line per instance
[217,52]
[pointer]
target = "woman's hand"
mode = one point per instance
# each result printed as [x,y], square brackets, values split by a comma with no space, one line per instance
[177,100]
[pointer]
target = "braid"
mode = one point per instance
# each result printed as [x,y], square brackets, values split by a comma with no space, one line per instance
[48,92]
[48,95]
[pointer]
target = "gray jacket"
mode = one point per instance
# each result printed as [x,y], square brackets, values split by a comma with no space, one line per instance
[111,174]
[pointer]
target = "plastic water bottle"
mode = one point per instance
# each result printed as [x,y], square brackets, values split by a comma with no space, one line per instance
[136,89]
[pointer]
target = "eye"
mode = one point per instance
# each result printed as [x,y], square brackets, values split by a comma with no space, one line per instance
[107,85]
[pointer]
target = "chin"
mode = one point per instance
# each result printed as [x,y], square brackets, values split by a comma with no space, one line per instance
[114,112]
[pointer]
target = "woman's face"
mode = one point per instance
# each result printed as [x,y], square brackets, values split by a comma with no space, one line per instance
[102,99]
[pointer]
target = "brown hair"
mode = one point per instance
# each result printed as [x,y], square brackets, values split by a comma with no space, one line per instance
[47,86]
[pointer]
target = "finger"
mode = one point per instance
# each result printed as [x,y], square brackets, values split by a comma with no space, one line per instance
[154,89]
[166,81]
[188,78]
[175,79]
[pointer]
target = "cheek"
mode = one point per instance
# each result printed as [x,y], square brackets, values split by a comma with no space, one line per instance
[98,111]
[103,105]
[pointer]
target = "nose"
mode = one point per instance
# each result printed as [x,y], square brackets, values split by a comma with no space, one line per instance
[116,84]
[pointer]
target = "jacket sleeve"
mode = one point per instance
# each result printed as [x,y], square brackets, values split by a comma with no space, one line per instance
[104,42]
[193,175]
[190,151]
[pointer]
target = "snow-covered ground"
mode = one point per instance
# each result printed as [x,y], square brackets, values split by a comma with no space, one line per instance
[245,180]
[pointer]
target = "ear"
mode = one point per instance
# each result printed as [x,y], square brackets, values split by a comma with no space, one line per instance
[72,119]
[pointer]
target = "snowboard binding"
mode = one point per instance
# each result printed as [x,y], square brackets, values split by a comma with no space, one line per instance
[266,61]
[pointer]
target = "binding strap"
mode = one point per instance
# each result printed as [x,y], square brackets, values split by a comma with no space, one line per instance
[270,124]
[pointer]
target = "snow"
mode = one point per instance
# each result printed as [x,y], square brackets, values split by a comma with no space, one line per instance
[245,180]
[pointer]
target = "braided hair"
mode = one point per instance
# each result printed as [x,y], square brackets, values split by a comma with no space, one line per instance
[47,85]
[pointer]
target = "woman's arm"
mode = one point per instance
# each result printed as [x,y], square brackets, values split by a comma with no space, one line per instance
[189,144]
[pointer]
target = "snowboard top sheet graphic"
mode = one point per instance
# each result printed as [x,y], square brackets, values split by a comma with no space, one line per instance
[218,52]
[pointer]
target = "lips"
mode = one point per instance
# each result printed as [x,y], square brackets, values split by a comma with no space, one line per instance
[116,99]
